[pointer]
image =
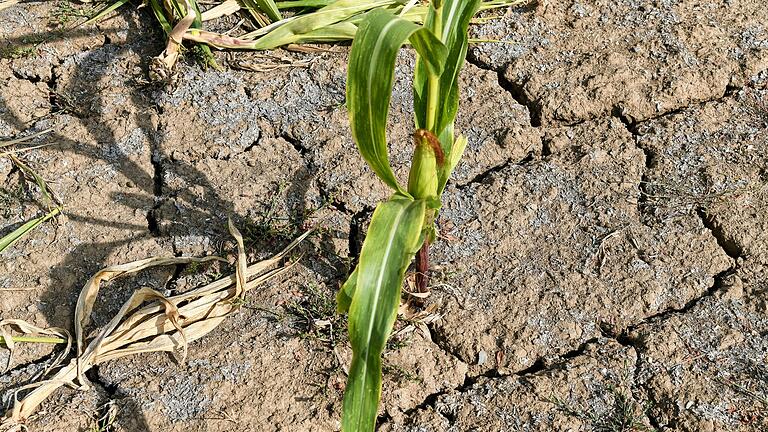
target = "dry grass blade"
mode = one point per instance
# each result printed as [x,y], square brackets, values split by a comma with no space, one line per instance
[241,259]
[37,178]
[162,324]
[268,63]
[15,152]
[21,140]
[91,289]
[223,9]
[6,326]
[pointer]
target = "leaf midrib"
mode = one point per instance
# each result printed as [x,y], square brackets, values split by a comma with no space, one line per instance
[383,268]
[371,72]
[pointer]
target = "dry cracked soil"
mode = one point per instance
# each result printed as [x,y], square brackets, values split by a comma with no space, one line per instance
[603,246]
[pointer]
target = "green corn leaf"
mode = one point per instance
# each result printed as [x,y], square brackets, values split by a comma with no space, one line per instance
[346,293]
[340,31]
[293,30]
[98,16]
[23,230]
[370,77]
[292,4]
[394,236]
[267,6]
[436,103]
[456,153]
[270,8]
[161,15]
[205,51]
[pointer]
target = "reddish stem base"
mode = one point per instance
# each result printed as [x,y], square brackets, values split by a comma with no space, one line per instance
[422,268]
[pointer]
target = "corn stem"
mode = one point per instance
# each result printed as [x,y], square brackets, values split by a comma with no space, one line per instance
[433,87]
[34,339]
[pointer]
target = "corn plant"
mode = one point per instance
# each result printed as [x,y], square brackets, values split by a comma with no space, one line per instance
[404,223]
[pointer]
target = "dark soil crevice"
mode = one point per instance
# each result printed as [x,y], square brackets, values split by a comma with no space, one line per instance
[728,245]
[295,143]
[158,172]
[431,400]
[515,90]
[95,378]
[722,280]
[650,162]
[18,76]
[655,423]
[53,85]
[518,94]
[153,224]
[634,125]
[357,234]
[626,121]
[382,419]
[178,271]
[626,338]
[440,340]
[252,145]
[540,365]
[54,99]
[640,391]
[545,364]
[485,175]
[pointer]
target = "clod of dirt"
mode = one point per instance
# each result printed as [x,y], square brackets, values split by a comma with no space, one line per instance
[706,370]
[712,159]
[571,61]
[592,391]
[541,255]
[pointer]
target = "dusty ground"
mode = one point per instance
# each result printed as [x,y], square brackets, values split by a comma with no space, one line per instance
[604,254]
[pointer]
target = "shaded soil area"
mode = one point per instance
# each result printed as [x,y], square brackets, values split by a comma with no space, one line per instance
[602,253]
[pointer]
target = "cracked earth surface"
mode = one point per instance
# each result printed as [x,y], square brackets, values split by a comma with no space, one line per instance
[603,251]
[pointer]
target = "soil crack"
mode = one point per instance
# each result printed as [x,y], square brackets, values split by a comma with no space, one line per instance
[722,281]
[540,365]
[485,175]
[158,175]
[516,91]
[153,223]
[357,234]
[729,246]
[95,378]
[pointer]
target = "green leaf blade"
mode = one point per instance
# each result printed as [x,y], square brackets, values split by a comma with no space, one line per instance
[267,6]
[23,230]
[370,79]
[394,236]
[295,28]
[104,11]
[346,293]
